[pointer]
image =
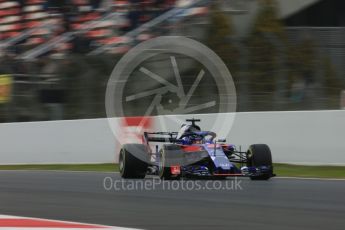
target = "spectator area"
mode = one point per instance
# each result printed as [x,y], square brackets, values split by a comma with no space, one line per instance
[37,22]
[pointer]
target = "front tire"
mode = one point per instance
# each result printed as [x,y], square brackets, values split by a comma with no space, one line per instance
[260,155]
[133,160]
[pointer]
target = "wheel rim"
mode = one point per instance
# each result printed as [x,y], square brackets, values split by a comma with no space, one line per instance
[249,157]
[121,162]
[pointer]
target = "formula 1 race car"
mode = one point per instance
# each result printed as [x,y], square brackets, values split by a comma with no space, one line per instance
[192,153]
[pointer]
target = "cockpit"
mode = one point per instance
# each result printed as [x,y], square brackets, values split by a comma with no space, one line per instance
[192,134]
[187,129]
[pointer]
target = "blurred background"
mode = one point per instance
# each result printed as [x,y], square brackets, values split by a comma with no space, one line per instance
[56,55]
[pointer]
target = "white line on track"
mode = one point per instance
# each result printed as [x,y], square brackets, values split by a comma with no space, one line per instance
[310,178]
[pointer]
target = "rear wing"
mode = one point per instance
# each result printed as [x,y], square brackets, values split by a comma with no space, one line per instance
[164,137]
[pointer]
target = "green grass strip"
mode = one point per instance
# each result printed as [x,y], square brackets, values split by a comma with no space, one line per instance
[66,167]
[310,171]
[279,169]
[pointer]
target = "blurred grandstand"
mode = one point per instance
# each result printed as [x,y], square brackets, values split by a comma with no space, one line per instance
[59,53]
[33,28]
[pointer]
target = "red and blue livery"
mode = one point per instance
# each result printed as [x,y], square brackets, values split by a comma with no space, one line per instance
[193,153]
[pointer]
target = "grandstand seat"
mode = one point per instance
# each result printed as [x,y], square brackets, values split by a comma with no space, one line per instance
[10,19]
[34,16]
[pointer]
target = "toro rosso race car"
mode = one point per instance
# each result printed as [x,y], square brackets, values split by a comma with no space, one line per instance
[192,153]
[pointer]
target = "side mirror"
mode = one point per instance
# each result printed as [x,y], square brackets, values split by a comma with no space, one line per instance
[221,140]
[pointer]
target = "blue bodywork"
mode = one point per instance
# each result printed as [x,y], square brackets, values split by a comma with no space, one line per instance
[215,157]
[219,158]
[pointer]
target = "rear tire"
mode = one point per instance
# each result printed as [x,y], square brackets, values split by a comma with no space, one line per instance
[133,161]
[260,155]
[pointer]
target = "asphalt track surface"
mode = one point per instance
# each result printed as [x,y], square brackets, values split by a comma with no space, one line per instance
[75,196]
